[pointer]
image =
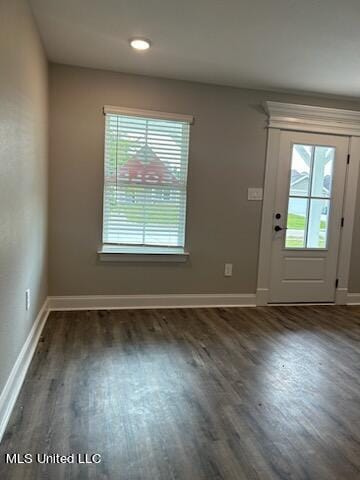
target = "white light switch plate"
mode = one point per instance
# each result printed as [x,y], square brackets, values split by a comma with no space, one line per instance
[255,194]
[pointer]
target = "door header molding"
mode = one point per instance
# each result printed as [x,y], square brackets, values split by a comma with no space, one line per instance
[309,118]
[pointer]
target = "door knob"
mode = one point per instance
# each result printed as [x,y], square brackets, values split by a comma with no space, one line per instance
[277,228]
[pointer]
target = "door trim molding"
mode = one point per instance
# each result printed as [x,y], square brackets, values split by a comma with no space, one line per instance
[305,118]
[349,206]
[309,118]
[272,155]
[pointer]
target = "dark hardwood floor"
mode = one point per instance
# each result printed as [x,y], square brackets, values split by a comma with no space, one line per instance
[198,394]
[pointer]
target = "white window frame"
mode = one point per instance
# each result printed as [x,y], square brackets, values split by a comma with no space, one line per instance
[129,253]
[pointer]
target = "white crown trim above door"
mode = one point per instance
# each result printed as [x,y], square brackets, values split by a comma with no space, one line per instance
[306,118]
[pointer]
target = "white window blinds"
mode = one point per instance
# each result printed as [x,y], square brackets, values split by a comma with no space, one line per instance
[146,162]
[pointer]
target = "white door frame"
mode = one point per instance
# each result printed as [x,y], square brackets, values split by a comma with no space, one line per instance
[305,118]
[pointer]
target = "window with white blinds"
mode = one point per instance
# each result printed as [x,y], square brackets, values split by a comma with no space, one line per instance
[146,163]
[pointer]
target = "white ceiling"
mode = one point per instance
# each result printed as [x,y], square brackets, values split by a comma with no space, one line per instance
[302,45]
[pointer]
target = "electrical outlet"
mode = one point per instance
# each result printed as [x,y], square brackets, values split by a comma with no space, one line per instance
[27,299]
[228,269]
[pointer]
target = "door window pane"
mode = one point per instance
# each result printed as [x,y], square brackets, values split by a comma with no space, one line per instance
[318,223]
[310,188]
[296,223]
[322,172]
[301,169]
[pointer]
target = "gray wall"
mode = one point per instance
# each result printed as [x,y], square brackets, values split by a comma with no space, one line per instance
[227,155]
[354,281]
[23,178]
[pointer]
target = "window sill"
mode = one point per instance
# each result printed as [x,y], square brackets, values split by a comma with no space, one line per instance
[120,253]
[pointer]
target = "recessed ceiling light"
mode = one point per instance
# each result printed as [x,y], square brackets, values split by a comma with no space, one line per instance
[140,43]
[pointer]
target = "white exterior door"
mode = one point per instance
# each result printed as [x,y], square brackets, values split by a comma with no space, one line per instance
[307,217]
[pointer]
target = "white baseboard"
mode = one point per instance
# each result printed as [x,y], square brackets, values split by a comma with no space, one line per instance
[118,302]
[353,299]
[17,375]
[108,302]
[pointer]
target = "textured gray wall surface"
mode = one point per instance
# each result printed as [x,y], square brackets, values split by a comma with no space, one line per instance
[227,155]
[23,178]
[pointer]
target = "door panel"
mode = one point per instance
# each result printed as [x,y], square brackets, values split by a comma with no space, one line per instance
[299,268]
[307,217]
